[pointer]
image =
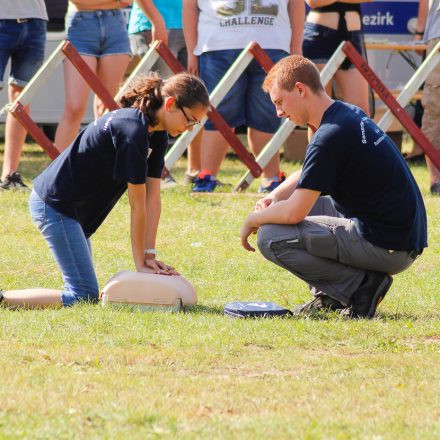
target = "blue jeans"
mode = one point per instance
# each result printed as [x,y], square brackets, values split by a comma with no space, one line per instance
[245,103]
[98,33]
[70,248]
[24,44]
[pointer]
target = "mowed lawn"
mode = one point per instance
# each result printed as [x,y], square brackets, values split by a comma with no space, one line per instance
[89,372]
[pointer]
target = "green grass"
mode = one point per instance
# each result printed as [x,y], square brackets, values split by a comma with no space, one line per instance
[88,372]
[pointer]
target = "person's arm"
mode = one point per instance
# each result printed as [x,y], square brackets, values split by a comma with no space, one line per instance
[138,222]
[422,17]
[158,28]
[153,209]
[291,211]
[190,19]
[297,14]
[281,192]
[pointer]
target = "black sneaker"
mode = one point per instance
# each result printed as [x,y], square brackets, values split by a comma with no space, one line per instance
[319,303]
[371,292]
[435,189]
[13,181]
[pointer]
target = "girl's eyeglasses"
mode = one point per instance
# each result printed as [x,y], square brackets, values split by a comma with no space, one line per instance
[189,122]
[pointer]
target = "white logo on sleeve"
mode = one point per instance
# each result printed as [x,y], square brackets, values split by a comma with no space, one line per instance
[364,121]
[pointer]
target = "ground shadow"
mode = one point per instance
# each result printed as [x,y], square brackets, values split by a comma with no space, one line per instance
[210,310]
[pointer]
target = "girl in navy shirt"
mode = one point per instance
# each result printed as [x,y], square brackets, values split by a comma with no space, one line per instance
[123,149]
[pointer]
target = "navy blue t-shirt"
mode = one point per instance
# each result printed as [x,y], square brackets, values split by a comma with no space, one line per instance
[90,176]
[351,159]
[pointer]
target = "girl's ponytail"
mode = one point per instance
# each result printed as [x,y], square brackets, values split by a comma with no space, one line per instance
[145,94]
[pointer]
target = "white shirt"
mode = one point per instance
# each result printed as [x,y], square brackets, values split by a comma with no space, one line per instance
[13,9]
[233,24]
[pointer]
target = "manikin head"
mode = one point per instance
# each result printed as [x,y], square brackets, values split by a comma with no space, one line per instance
[174,105]
[293,84]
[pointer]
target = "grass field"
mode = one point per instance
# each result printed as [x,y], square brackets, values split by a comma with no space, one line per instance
[88,372]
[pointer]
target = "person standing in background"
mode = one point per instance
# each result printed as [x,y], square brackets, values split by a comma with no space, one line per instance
[328,24]
[23,27]
[216,32]
[428,25]
[164,23]
[98,31]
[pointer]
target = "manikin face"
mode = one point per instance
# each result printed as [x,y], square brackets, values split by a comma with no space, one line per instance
[290,104]
[179,119]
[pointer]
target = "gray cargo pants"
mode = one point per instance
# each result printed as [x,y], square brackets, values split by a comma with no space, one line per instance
[326,251]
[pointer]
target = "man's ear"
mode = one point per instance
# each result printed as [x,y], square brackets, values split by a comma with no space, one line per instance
[300,87]
[169,101]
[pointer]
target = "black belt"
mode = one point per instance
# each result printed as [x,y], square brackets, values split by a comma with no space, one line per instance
[17,20]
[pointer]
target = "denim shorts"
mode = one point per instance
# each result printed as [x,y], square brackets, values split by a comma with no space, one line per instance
[245,103]
[320,43]
[98,33]
[70,248]
[24,44]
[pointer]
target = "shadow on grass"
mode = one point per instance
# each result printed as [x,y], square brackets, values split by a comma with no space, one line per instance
[210,310]
[405,316]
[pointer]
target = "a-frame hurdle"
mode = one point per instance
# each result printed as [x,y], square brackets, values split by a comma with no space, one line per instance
[395,105]
[64,50]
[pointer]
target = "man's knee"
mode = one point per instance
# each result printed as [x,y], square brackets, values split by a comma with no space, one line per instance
[266,235]
[279,244]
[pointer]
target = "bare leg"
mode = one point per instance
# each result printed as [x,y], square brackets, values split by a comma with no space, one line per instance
[430,121]
[354,88]
[15,135]
[76,92]
[434,173]
[214,148]
[194,152]
[257,140]
[32,298]
[110,70]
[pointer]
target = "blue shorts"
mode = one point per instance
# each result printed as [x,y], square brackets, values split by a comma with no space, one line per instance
[245,103]
[24,44]
[70,248]
[98,33]
[320,43]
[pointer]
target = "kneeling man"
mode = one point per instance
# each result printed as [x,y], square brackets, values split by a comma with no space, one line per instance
[353,215]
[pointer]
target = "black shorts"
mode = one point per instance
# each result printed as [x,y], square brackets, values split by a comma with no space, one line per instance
[320,43]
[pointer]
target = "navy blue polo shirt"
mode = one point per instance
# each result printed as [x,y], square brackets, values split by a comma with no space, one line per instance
[87,179]
[351,159]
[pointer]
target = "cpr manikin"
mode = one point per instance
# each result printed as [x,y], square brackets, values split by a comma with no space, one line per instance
[148,290]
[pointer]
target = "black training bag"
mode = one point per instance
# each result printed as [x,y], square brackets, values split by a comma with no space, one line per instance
[255,309]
